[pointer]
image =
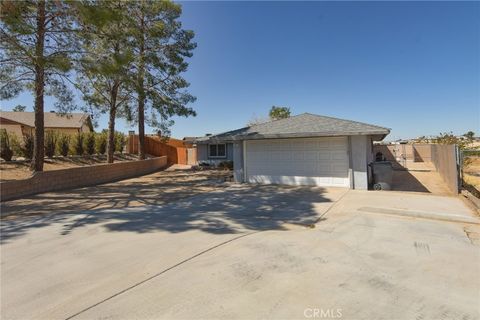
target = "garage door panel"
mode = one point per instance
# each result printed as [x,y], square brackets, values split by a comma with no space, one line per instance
[314,161]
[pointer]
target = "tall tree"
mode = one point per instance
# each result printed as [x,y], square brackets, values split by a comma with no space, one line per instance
[19,108]
[103,70]
[161,47]
[470,135]
[35,47]
[277,113]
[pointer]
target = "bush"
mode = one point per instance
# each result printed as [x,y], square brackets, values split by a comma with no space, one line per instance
[119,142]
[101,143]
[15,145]
[6,152]
[26,149]
[90,143]
[78,144]
[227,165]
[50,143]
[63,144]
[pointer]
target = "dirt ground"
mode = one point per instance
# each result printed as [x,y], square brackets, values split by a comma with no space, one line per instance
[17,170]
[153,189]
[471,172]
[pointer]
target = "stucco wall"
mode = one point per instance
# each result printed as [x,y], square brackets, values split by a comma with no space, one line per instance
[238,161]
[55,180]
[409,152]
[202,154]
[13,129]
[17,130]
[422,152]
[358,153]
[69,131]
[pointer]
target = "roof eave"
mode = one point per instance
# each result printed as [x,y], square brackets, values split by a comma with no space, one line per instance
[256,136]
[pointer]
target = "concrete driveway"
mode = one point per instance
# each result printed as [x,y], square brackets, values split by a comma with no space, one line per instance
[247,252]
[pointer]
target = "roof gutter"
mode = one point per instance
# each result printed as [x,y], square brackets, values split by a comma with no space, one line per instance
[255,136]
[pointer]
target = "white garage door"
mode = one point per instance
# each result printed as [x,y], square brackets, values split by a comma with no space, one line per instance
[309,161]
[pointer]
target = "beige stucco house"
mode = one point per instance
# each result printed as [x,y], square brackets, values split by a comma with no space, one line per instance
[22,123]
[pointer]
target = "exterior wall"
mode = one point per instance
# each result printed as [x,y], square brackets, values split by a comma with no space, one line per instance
[13,129]
[55,180]
[361,154]
[444,158]
[85,128]
[69,131]
[405,152]
[202,154]
[20,130]
[238,173]
[422,152]
[358,152]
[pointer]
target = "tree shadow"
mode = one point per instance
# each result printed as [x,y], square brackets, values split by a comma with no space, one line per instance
[172,202]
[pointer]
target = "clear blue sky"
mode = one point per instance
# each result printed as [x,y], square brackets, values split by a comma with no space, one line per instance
[410,66]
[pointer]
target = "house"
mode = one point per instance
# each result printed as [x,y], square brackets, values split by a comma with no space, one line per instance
[23,123]
[306,149]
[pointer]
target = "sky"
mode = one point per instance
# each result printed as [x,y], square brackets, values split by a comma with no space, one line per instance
[413,67]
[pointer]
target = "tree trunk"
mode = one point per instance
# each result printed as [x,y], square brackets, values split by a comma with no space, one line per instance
[38,146]
[141,128]
[141,94]
[111,124]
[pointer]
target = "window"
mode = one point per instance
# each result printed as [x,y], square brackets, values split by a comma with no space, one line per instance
[217,150]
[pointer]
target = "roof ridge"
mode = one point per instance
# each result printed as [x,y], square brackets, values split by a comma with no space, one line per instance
[274,120]
[354,121]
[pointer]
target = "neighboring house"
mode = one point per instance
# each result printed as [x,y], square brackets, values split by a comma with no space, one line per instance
[306,149]
[23,123]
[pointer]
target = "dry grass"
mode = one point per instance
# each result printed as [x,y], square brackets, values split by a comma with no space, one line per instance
[17,170]
[471,172]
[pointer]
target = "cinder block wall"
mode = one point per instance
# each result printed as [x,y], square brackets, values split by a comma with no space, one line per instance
[78,177]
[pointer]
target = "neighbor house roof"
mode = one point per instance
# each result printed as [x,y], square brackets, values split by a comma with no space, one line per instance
[303,125]
[51,119]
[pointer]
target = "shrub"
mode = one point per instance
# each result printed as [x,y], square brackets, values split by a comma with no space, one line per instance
[227,165]
[50,143]
[78,144]
[15,145]
[63,144]
[101,143]
[26,149]
[6,152]
[119,142]
[90,143]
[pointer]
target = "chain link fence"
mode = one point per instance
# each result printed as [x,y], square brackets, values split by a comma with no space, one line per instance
[469,169]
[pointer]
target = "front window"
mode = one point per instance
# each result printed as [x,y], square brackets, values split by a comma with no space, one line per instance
[217,150]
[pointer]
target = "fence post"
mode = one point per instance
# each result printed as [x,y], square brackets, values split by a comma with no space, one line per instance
[460,156]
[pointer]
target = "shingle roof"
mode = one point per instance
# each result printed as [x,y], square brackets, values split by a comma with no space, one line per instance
[302,125]
[51,119]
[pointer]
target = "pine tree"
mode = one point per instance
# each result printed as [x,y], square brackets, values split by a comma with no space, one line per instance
[103,70]
[160,46]
[35,54]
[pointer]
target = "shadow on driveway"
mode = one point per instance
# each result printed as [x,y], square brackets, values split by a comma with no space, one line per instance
[232,210]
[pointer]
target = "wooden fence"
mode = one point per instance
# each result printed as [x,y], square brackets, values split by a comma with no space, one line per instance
[156,147]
